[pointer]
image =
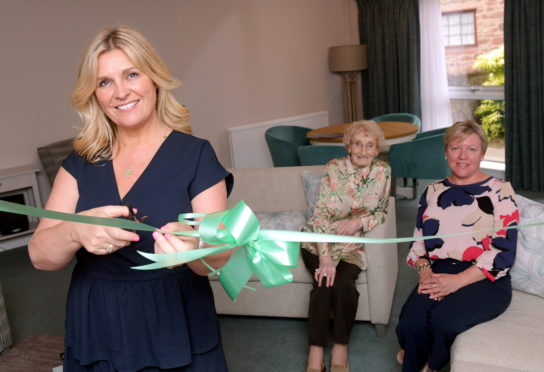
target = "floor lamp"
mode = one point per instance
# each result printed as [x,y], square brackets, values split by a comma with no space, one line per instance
[349,60]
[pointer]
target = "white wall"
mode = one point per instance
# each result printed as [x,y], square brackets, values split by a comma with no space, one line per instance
[240,61]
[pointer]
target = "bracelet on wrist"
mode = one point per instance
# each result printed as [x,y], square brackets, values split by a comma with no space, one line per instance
[419,268]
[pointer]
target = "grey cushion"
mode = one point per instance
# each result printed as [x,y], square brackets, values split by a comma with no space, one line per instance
[528,270]
[312,184]
[284,220]
[5,333]
[52,155]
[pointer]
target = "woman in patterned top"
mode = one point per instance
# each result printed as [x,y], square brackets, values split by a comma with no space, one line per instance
[353,200]
[463,279]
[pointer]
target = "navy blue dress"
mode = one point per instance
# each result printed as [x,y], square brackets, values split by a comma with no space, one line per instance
[121,319]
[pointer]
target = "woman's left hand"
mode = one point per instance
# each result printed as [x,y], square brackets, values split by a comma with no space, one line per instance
[168,243]
[348,227]
[438,286]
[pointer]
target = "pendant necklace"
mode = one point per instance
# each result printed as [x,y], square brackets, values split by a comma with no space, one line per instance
[128,171]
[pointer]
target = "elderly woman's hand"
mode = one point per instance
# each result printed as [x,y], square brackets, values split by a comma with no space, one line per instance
[168,243]
[348,227]
[326,271]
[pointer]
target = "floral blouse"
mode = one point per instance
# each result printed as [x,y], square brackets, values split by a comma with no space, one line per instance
[446,208]
[349,192]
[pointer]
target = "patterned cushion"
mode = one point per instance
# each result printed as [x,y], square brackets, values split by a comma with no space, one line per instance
[528,270]
[312,183]
[285,220]
[5,334]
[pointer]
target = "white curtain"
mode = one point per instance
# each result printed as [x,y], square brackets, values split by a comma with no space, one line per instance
[435,102]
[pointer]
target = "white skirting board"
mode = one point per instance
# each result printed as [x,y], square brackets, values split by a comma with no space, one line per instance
[248,148]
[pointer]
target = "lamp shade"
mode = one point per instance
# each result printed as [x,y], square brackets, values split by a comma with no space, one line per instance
[347,58]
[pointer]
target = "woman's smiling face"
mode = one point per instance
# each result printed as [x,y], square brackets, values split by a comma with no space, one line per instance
[362,149]
[464,156]
[126,95]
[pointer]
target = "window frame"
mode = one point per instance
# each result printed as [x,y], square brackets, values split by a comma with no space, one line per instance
[474,24]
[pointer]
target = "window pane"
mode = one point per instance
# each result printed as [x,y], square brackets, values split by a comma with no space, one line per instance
[475,64]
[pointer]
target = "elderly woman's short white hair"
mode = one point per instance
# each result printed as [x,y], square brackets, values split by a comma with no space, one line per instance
[366,127]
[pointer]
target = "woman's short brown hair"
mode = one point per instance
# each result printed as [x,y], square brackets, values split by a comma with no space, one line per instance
[366,127]
[463,129]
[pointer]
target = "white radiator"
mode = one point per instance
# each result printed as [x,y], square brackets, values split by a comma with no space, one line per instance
[248,148]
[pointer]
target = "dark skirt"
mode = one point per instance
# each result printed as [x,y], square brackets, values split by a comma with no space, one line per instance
[147,321]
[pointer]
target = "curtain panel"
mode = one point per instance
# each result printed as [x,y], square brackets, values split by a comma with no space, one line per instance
[524,93]
[390,28]
[435,99]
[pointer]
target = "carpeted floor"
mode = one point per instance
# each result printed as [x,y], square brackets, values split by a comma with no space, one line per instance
[35,304]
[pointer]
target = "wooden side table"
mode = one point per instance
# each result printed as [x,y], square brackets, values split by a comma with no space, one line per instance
[40,352]
[394,132]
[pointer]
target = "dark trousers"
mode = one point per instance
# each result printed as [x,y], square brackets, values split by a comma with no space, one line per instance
[427,328]
[340,300]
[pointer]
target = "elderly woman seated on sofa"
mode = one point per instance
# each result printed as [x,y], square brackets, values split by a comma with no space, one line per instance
[463,279]
[353,199]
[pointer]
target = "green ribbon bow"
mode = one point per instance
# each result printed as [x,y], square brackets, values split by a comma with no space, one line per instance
[269,260]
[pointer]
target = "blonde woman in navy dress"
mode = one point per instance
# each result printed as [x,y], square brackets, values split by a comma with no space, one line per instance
[135,148]
[464,279]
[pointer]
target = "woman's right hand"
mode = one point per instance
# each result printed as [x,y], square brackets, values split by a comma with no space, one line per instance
[102,240]
[326,271]
[424,275]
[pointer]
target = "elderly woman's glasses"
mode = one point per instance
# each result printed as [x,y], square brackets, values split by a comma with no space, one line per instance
[360,145]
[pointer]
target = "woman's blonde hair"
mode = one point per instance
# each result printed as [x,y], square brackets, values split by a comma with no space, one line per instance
[366,127]
[463,129]
[98,132]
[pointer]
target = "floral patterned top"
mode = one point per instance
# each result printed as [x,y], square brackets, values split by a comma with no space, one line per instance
[349,192]
[446,208]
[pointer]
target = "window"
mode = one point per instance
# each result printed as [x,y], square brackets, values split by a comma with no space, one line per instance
[476,69]
[459,28]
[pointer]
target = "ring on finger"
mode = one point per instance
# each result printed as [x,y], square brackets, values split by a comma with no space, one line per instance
[109,248]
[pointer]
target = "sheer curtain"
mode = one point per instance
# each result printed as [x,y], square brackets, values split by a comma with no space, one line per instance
[435,101]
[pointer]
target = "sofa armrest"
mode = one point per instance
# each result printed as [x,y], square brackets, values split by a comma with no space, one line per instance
[382,268]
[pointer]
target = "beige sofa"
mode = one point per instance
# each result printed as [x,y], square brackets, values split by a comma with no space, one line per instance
[282,189]
[514,341]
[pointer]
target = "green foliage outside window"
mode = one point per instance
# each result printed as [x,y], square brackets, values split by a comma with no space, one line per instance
[490,113]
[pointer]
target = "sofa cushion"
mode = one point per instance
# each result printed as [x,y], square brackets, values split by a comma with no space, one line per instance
[528,270]
[513,341]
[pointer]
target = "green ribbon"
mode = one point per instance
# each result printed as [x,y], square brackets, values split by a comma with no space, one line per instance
[269,254]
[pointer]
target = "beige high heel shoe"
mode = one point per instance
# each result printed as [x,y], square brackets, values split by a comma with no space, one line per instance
[308,369]
[400,357]
[339,368]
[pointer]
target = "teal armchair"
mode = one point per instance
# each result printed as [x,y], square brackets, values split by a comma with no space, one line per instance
[421,158]
[399,116]
[319,155]
[283,142]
